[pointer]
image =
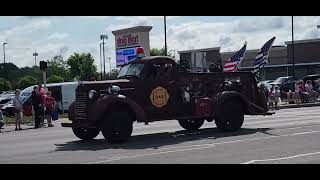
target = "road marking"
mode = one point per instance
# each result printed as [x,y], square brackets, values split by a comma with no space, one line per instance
[282,158]
[149,154]
[203,146]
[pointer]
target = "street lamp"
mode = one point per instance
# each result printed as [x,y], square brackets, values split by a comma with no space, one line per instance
[165,36]
[100,63]
[109,67]
[35,54]
[103,37]
[4,62]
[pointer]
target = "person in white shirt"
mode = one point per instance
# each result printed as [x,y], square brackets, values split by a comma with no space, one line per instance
[277,94]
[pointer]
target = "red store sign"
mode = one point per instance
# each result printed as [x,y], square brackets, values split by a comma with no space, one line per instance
[127,41]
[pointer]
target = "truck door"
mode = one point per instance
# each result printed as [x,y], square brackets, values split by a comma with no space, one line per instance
[160,91]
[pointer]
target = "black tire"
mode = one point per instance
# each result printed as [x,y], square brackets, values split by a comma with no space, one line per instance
[231,116]
[117,126]
[192,124]
[86,133]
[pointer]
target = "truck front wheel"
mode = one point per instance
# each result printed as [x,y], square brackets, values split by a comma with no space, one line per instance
[231,116]
[192,124]
[86,133]
[117,127]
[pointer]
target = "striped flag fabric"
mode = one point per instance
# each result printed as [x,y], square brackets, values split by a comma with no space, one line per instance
[233,62]
[263,55]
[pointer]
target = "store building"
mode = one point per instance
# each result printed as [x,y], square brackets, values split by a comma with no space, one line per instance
[306,58]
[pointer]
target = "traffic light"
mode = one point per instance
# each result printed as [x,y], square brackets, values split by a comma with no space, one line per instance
[43,65]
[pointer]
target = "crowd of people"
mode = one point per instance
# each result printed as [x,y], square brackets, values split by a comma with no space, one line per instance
[43,105]
[304,92]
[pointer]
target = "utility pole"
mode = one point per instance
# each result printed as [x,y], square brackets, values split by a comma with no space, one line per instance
[165,36]
[100,64]
[293,71]
[103,37]
[4,62]
[109,67]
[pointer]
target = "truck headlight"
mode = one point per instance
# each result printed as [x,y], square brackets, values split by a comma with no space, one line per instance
[115,89]
[92,93]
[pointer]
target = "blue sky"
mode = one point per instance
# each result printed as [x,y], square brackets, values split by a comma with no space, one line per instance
[50,35]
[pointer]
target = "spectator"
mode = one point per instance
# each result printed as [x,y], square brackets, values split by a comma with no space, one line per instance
[17,104]
[310,90]
[296,93]
[49,105]
[309,87]
[271,97]
[277,99]
[36,102]
[1,120]
[303,93]
[42,103]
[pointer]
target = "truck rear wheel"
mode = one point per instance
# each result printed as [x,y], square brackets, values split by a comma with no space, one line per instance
[231,116]
[117,127]
[86,133]
[192,124]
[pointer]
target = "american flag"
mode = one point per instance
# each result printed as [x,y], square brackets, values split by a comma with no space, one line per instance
[233,62]
[263,54]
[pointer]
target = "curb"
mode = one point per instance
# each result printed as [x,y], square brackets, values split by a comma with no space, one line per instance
[299,105]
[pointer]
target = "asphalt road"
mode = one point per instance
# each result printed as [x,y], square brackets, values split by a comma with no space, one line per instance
[289,136]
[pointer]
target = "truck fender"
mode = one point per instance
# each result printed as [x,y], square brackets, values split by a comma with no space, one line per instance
[71,114]
[102,105]
[226,95]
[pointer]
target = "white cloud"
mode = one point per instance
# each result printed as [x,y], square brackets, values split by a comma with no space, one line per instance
[96,17]
[58,36]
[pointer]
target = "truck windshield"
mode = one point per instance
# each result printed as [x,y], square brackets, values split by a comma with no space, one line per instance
[130,70]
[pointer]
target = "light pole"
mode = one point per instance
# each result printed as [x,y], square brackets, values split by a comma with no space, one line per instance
[109,67]
[165,36]
[35,54]
[103,37]
[4,61]
[293,73]
[100,63]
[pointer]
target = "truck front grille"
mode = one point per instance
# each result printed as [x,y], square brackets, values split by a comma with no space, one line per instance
[81,106]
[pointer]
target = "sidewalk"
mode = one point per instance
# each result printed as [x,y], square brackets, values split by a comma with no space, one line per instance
[286,105]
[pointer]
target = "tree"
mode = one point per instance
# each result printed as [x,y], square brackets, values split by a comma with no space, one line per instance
[159,52]
[57,66]
[4,85]
[114,74]
[82,66]
[27,81]
[55,79]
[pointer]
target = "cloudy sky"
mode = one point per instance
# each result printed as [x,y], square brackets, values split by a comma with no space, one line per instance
[50,35]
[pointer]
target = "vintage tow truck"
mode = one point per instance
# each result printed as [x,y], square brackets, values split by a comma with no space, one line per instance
[156,88]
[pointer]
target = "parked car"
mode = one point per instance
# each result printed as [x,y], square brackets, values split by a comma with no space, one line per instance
[285,83]
[63,93]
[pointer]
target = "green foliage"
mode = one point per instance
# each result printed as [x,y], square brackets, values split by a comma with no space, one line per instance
[55,79]
[82,66]
[159,52]
[5,85]
[114,74]
[57,66]
[27,81]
